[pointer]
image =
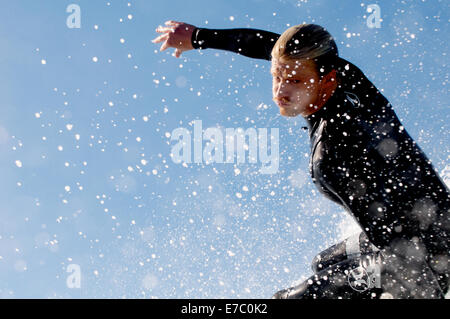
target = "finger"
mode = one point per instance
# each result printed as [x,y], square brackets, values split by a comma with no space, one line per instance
[160,38]
[173,23]
[164,46]
[161,29]
[177,53]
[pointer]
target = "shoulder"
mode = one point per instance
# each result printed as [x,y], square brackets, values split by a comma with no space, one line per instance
[360,95]
[352,79]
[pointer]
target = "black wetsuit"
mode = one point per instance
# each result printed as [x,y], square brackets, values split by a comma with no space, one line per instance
[363,159]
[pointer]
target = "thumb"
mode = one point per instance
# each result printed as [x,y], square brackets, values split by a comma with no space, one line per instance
[178,53]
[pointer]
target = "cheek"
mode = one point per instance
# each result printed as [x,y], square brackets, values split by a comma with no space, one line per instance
[311,89]
[304,95]
[310,86]
[302,92]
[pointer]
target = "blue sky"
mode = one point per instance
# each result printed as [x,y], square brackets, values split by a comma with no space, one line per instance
[86,173]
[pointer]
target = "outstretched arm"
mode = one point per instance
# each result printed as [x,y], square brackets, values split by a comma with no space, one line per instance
[252,43]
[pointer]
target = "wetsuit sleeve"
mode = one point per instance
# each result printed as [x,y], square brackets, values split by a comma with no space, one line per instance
[251,43]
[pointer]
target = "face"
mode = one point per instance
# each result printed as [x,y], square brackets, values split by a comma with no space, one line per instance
[296,87]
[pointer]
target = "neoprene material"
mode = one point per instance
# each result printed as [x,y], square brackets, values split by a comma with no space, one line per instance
[363,159]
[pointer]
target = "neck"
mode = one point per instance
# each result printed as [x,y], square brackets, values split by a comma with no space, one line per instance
[323,97]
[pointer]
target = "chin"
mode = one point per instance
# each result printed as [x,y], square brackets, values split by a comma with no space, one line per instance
[287,113]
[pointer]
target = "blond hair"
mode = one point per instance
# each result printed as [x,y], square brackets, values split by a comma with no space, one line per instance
[307,42]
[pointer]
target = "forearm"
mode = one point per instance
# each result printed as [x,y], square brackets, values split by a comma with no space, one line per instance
[252,43]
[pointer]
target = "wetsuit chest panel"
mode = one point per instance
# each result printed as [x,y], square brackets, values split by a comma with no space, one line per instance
[317,160]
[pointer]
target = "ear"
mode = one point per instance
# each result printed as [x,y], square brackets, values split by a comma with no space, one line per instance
[328,85]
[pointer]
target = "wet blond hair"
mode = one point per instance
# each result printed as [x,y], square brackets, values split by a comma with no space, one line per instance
[307,42]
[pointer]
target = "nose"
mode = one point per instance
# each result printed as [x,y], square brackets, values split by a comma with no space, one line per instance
[278,91]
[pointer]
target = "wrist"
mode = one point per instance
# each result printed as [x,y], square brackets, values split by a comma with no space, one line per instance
[196,39]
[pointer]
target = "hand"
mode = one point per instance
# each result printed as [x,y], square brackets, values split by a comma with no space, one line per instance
[175,35]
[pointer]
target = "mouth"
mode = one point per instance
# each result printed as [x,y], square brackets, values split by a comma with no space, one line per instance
[282,104]
[287,108]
